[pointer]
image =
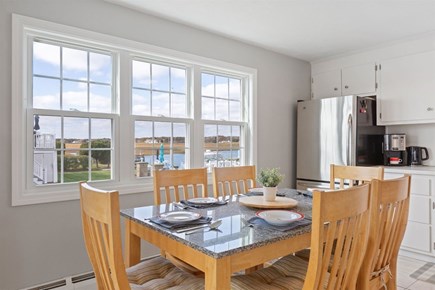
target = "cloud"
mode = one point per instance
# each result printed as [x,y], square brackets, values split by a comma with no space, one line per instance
[223,89]
[73,59]
[160,104]
[208,90]
[46,102]
[142,73]
[75,101]
[178,106]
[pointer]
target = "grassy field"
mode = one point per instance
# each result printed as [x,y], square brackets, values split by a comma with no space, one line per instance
[83,175]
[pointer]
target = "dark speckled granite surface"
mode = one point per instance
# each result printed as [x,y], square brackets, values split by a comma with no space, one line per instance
[234,234]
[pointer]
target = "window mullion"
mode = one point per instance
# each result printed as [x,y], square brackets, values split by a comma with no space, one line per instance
[124,150]
[89,149]
[197,130]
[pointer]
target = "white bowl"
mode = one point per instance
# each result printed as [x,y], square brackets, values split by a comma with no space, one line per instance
[279,217]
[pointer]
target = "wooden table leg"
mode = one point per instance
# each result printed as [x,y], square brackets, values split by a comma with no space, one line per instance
[132,246]
[218,274]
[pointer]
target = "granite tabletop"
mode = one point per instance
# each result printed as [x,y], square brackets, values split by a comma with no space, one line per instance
[234,235]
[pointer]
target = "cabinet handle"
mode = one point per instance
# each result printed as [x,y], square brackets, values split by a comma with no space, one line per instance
[429,109]
[335,89]
[346,87]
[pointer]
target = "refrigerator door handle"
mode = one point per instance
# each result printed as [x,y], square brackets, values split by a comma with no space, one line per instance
[349,139]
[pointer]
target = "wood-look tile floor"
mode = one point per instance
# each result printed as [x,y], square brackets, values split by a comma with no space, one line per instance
[407,266]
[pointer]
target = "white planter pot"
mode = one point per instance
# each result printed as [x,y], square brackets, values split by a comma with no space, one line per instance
[269,193]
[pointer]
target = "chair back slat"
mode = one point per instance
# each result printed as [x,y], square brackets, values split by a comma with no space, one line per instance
[179,184]
[339,237]
[388,219]
[102,235]
[233,180]
[353,175]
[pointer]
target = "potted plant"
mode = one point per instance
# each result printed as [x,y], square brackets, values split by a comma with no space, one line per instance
[270,178]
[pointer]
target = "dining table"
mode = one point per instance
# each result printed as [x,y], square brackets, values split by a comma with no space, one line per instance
[241,242]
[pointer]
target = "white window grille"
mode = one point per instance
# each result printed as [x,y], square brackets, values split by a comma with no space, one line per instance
[93,107]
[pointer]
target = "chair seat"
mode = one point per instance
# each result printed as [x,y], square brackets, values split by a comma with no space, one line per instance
[286,273]
[158,273]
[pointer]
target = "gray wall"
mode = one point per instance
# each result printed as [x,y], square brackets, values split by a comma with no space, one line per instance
[40,243]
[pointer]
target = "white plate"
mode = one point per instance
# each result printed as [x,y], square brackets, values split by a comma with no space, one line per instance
[179,216]
[203,200]
[279,217]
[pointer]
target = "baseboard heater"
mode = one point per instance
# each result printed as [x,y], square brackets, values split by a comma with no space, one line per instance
[72,280]
[64,282]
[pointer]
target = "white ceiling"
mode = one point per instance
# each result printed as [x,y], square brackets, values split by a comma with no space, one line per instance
[306,29]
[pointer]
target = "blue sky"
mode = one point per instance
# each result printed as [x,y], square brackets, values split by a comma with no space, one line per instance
[221,95]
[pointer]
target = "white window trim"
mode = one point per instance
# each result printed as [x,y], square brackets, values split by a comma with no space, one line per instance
[124,180]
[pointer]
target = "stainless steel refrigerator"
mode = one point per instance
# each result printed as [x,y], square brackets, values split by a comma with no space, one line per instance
[339,130]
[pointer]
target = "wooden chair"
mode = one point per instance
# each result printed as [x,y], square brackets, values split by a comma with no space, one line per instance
[233,180]
[102,235]
[191,181]
[388,219]
[355,175]
[341,215]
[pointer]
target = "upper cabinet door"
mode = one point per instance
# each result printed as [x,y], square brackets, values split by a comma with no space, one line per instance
[359,79]
[327,84]
[407,89]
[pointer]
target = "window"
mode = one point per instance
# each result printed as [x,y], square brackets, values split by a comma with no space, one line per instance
[162,143]
[158,90]
[71,85]
[92,107]
[222,101]
[221,98]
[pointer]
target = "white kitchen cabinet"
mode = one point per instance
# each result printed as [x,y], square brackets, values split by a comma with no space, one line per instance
[358,79]
[327,84]
[406,93]
[352,80]
[420,231]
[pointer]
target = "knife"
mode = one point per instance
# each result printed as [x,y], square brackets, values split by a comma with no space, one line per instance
[191,228]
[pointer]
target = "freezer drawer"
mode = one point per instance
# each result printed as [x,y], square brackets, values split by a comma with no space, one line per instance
[304,185]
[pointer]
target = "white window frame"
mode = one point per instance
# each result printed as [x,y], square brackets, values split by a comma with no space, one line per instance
[23,28]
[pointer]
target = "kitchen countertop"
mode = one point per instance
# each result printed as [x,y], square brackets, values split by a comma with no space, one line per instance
[416,169]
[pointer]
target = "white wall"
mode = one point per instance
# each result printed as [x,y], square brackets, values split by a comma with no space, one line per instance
[44,242]
[416,135]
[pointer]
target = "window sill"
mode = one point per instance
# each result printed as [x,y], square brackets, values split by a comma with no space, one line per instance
[67,192]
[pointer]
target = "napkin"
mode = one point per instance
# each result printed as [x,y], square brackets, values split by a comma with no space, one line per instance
[195,205]
[173,226]
[263,224]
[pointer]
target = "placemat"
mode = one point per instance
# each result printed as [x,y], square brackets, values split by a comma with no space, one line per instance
[256,221]
[195,205]
[173,226]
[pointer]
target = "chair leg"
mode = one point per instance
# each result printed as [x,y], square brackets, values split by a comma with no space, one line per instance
[392,282]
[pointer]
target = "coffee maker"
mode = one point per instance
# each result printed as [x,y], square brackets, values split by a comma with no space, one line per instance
[395,150]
